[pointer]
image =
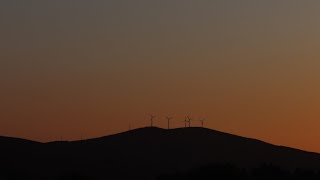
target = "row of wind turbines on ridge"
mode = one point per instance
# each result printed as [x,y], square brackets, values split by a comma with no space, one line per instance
[187,121]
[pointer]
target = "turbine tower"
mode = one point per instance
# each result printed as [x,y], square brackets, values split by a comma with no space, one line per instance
[151,119]
[185,122]
[202,121]
[189,121]
[169,118]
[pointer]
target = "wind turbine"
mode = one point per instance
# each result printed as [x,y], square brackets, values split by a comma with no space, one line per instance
[189,121]
[169,118]
[151,119]
[202,121]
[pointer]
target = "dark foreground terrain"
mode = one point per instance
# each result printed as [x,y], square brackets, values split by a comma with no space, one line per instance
[154,153]
[229,171]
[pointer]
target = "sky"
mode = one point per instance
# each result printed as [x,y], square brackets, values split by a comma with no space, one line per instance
[93,68]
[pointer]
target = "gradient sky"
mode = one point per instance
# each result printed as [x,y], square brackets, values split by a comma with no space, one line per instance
[250,67]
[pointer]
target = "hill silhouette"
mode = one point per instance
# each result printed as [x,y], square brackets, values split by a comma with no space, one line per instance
[144,153]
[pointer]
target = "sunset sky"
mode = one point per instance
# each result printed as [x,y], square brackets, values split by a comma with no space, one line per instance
[252,68]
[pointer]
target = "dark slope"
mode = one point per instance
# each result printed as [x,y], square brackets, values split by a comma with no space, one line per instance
[15,156]
[10,142]
[147,152]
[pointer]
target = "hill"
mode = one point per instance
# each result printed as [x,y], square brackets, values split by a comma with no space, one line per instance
[144,154]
